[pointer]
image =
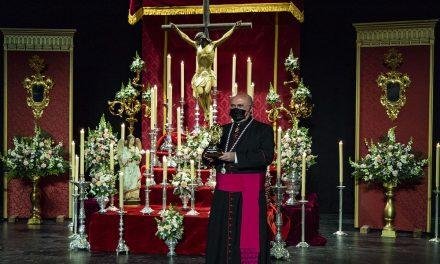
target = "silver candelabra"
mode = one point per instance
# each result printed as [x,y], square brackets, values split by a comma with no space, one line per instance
[153,141]
[436,239]
[80,240]
[303,242]
[74,223]
[278,249]
[196,118]
[182,112]
[193,210]
[122,246]
[214,104]
[112,206]
[168,142]
[340,232]
[164,197]
[147,209]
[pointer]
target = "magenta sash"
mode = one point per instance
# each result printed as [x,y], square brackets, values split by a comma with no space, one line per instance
[250,185]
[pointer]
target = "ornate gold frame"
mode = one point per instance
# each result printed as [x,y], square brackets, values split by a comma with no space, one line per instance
[393,60]
[37,80]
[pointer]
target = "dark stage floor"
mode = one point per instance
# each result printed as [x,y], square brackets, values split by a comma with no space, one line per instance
[49,244]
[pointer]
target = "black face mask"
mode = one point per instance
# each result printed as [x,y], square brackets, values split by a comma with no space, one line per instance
[237,114]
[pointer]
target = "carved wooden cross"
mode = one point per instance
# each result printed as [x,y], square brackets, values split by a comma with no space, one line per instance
[206,22]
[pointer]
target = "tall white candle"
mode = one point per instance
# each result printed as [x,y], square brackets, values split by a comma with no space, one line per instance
[249,73]
[147,160]
[437,160]
[168,77]
[279,154]
[155,106]
[234,90]
[81,165]
[250,90]
[123,131]
[179,129]
[152,108]
[170,103]
[76,168]
[234,67]
[121,190]
[112,158]
[182,80]
[72,159]
[164,169]
[192,170]
[303,181]
[341,168]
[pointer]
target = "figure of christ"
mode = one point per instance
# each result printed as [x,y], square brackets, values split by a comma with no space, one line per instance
[204,78]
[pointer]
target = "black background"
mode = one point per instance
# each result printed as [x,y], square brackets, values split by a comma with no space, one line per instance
[105,44]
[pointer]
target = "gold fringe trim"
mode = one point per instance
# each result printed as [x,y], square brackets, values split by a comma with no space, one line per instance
[216,9]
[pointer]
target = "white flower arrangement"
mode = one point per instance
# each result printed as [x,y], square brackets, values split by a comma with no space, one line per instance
[302,92]
[97,146]
[102,183]
[294,142]
[195,144]
[170,226]
[137,64]
[127,92]
[272,97]
[389,161]
[34,156]
[181,182]
[291,63]
[146,95]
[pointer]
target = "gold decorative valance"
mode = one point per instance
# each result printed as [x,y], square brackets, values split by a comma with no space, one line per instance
[217,9]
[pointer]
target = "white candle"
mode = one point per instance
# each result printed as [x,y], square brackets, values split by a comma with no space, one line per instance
[81,163]
[192,171]
[341,168]
[170,103]
[234,66]
[303,181]
[279,155]
[165,169]
[168,69]
[76,168]
[249,73]
[155,106]
[152,108]
[182,80]
[211,119]
[147,160]
[179,129]
[112,158]
[123,131]
[250,90]
[234,89]
[437,158]
[72,159]
[121,190]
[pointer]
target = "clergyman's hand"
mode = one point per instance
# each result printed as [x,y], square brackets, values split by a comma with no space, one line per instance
[228,156]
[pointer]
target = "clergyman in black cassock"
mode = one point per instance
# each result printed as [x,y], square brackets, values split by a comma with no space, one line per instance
[237,230]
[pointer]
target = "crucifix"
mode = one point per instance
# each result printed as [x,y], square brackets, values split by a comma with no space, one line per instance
[204,78]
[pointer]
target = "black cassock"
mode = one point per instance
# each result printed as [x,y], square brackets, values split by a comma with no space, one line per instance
[254,151]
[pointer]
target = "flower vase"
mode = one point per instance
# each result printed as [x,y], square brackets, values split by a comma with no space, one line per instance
[35,200]
[389,211]
[185,200]
[171,243]
[102,202]
[292,183]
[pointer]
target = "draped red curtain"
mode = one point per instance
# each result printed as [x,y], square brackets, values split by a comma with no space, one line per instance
[413,120]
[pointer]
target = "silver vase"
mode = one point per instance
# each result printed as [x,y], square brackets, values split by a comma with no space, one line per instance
[292,182]
[185,200]
[171,243]
[102,202]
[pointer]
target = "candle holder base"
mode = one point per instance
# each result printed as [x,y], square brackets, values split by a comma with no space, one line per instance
[79,242]
[112,208]
[435,240]
[122,246]
[147,210]
[192,212]
[278,250]
[339,233]
[302,244]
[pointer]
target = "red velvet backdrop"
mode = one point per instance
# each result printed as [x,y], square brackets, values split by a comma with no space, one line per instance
[412,121]
[55,120]
[257,43]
